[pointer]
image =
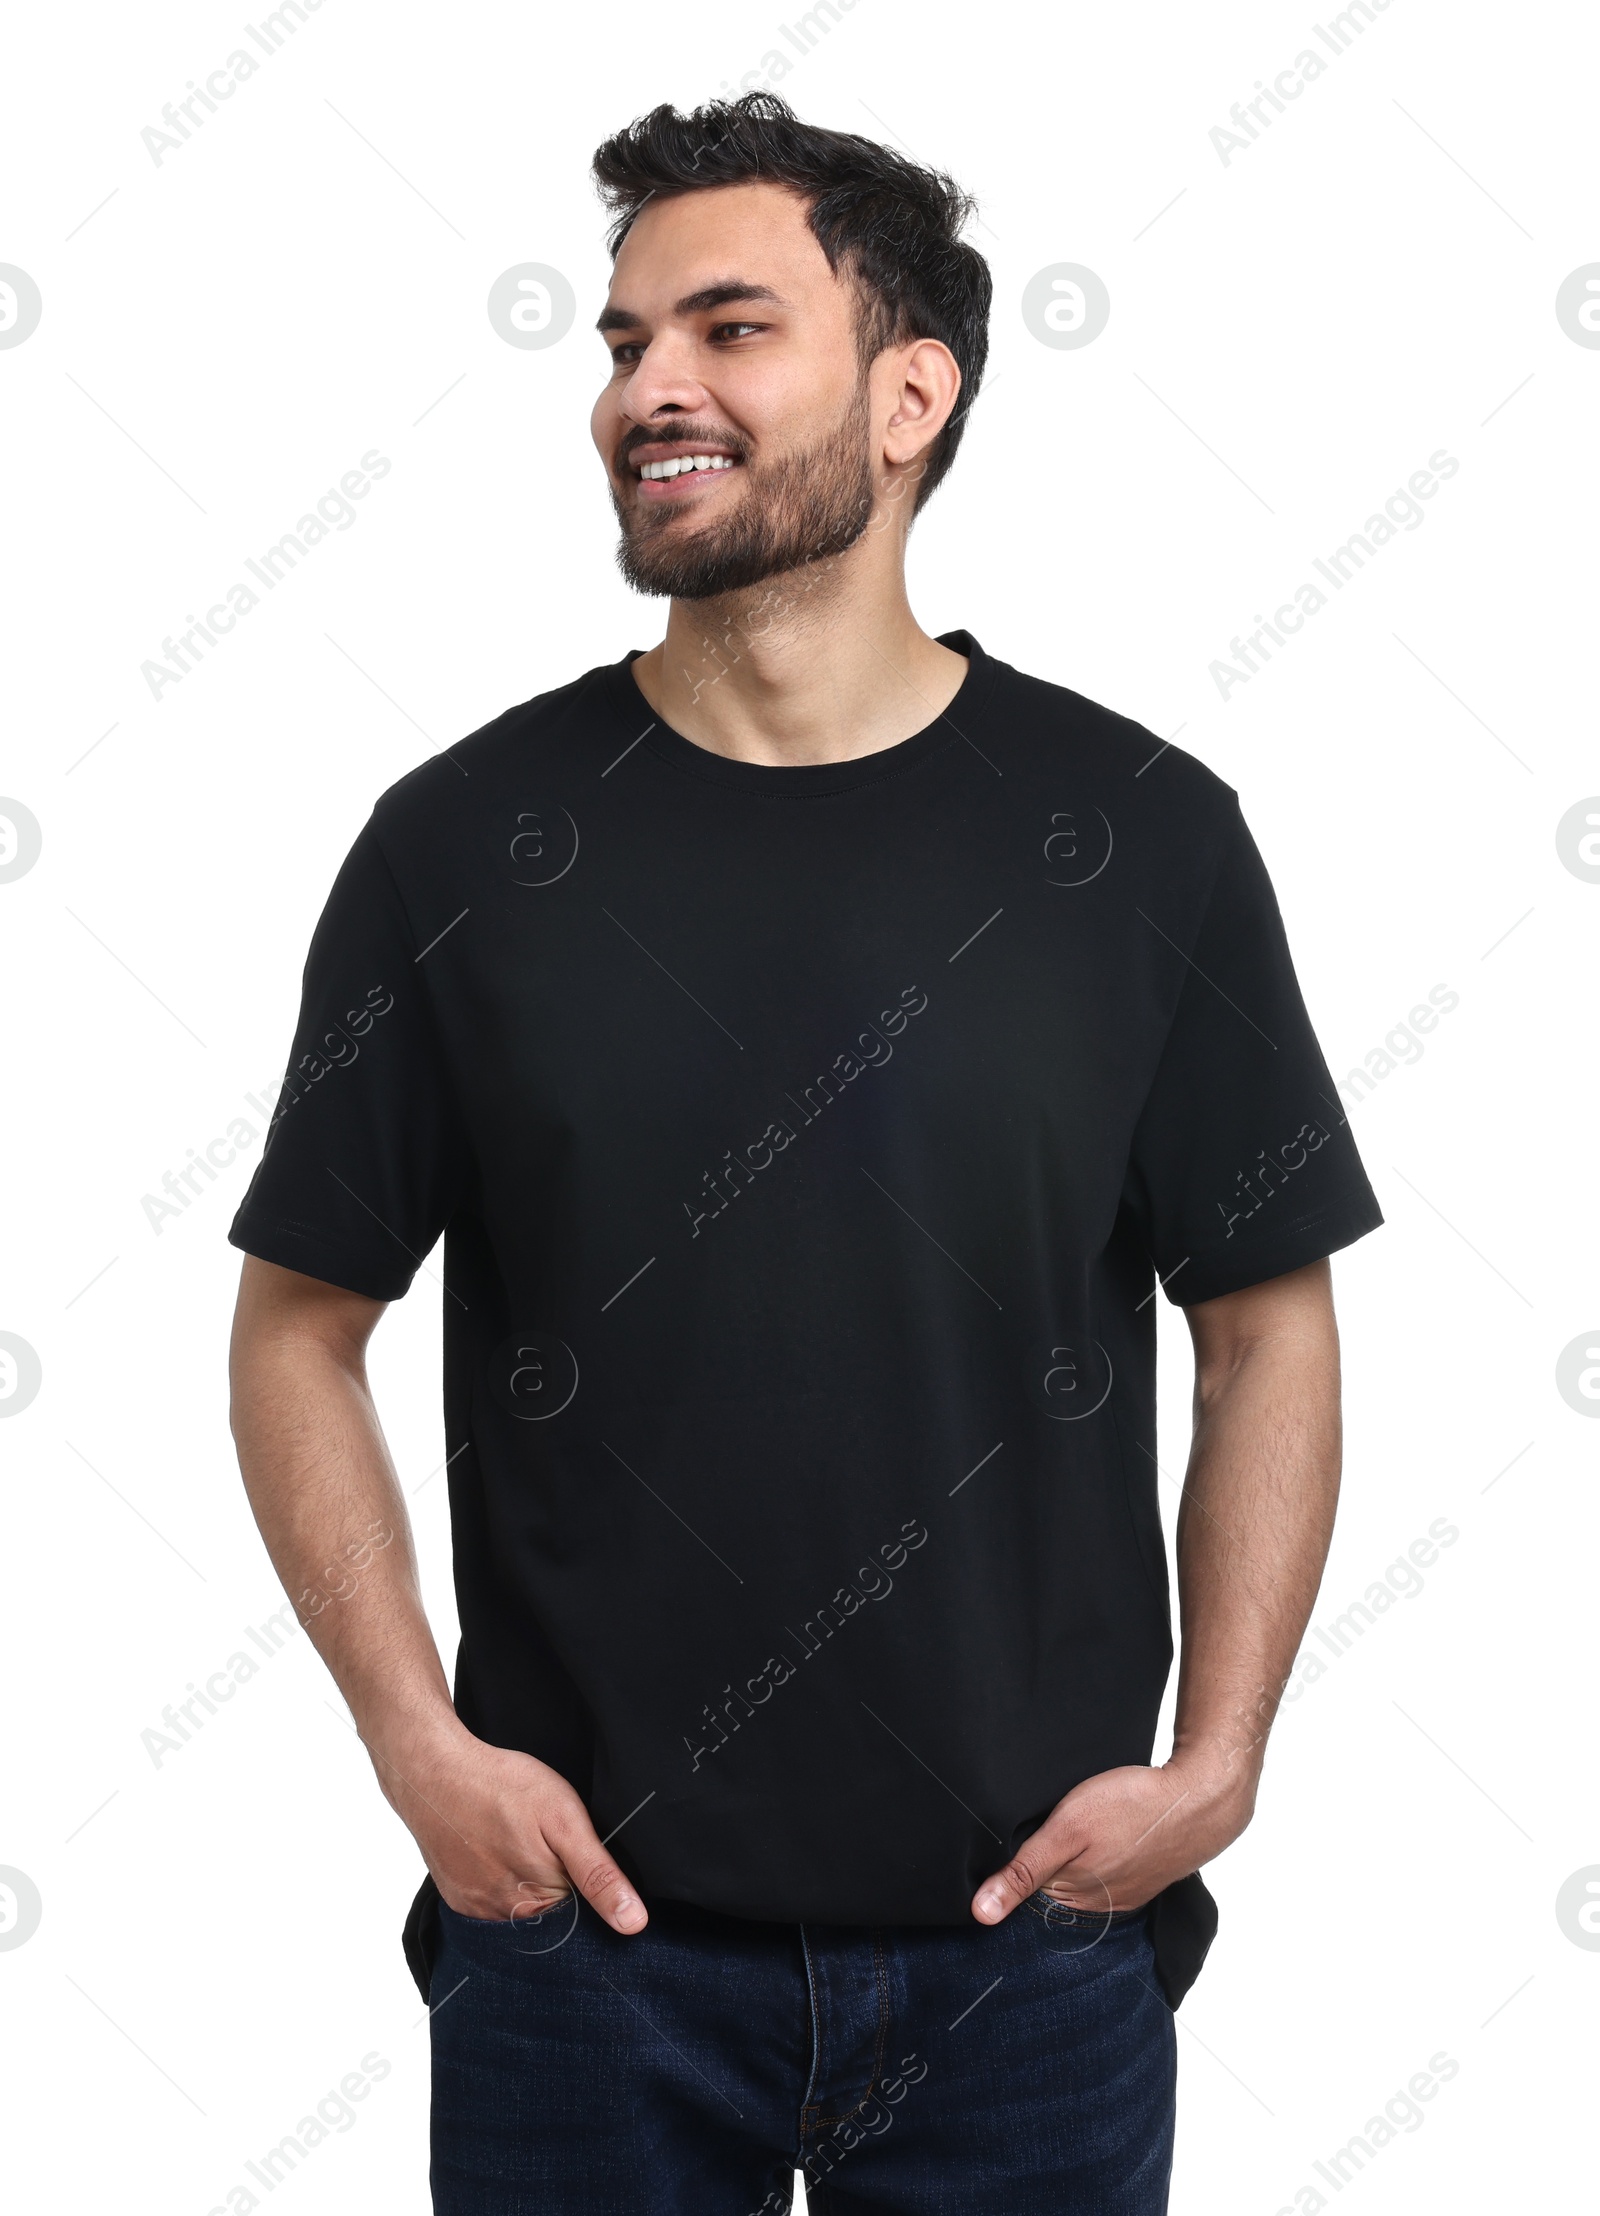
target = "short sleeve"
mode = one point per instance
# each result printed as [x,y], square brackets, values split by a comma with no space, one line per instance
[364,1155]
[1243,1166]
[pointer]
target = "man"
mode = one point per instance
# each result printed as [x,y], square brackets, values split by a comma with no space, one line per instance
[817,1043]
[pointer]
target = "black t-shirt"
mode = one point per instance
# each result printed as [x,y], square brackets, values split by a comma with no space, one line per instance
[807,1144]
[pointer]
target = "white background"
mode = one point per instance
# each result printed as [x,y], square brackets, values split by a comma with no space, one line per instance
[1292,334]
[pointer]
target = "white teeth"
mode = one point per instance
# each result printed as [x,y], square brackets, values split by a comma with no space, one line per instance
[685,463]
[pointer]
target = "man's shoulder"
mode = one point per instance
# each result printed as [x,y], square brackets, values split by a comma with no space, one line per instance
[1059,730]
[530,736]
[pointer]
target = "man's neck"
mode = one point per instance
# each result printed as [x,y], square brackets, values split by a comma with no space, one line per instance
[798,669]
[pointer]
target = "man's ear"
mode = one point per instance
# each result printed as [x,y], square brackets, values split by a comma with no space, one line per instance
[926,394]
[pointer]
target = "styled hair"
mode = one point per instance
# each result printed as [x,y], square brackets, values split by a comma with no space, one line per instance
[888,226]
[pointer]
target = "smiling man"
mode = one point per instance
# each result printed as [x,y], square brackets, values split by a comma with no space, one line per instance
[818,1044]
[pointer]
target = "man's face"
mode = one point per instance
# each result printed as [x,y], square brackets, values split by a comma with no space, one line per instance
[732,341]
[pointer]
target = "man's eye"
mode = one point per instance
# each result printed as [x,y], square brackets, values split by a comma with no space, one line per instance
[627,353]
[723,328]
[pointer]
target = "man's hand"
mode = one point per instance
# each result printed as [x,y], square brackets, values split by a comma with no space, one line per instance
[1119,1838]
[504,1836]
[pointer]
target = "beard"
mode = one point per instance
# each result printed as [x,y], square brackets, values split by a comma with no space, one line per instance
[793,512]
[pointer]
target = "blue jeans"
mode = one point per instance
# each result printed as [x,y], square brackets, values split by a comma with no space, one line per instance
[691,2069]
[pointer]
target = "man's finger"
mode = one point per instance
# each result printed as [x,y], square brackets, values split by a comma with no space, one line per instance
[1022,1876]
[595,1875]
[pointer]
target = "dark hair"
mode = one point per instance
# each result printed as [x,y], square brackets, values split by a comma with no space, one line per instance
[891,227]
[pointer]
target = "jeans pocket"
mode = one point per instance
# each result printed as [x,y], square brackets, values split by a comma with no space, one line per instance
[501,1941]
[528,1922]
[1066,1918]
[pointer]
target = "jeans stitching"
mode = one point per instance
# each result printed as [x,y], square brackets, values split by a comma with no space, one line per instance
[508,1923]
[816,2033]
[880,1967]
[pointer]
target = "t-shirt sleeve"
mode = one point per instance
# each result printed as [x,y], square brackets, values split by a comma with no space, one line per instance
[1243,1166]
[365,1156]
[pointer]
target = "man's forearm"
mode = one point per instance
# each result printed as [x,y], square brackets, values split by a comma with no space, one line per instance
[1254,1527]
[324,1493]
[1253,1533]
[502,1833]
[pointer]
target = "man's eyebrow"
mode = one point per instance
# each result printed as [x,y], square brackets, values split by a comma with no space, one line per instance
[618,318]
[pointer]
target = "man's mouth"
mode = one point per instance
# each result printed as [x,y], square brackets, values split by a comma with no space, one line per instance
[665,473]
[654,471]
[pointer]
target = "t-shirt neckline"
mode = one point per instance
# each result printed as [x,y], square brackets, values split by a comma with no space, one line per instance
[806,779]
